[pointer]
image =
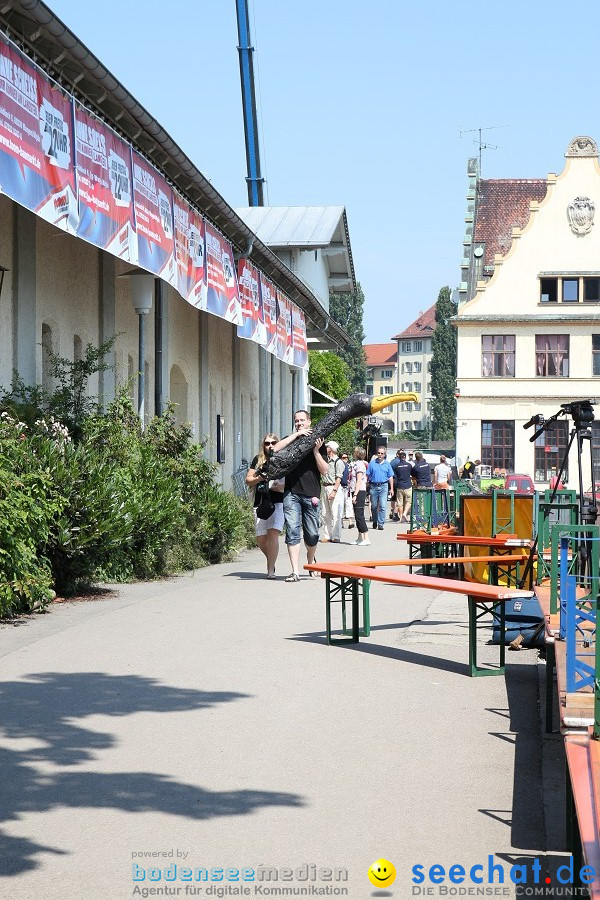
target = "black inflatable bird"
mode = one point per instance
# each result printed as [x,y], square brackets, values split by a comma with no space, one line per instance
[353,407]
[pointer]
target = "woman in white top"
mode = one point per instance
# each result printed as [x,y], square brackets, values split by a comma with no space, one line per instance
[359,494]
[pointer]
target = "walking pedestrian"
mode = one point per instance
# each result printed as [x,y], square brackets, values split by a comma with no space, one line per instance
[267,530]
[402,468]
[301,496]
[332,495]
[348,489]
[381,480]
[359,495]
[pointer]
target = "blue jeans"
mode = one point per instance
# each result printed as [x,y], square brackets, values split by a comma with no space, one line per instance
[300,516]
[379,493]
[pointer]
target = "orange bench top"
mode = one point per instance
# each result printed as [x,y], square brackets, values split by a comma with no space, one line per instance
[583,758]
[464,539]
[490,592]
[445,560]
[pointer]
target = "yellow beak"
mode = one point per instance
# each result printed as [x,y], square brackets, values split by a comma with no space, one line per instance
[385,400]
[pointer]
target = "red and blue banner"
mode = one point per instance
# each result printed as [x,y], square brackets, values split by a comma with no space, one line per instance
[253,328]
[36,141]
[299,337]
[190,253]
[153,205]
[104,185]
[223,298]
[285,351]
[268,294]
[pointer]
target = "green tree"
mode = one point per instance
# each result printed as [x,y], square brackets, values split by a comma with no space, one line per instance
[347,311]
[328,373]
[443,369]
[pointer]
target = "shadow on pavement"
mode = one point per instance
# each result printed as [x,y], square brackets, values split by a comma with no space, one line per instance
[41,712]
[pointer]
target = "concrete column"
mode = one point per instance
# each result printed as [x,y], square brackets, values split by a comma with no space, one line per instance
[25,337]
[107,326]
[161,347]
[263,391]
[236,440]
[204,379]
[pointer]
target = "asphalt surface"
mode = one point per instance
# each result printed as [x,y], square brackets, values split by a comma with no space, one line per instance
[202,722]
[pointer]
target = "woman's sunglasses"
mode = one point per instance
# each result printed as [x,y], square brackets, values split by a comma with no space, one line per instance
[270,443]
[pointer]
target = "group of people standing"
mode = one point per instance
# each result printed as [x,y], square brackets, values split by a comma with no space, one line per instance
[325,487]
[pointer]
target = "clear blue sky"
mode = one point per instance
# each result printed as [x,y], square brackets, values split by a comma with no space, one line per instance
[361,105]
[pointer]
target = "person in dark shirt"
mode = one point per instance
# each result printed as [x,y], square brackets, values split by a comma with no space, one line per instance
[421,473]
[301,496]
[403,487]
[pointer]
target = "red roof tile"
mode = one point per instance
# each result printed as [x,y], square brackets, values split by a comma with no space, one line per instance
[380,354]
[503,203]
[422,327]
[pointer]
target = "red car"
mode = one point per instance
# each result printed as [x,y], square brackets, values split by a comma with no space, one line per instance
[522,484]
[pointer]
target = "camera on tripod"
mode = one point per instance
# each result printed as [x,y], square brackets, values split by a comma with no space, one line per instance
[581,411]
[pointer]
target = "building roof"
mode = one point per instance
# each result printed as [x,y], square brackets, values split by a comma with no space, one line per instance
[501,204]
[35,28]
[422,327]
[308,228]
[380,354]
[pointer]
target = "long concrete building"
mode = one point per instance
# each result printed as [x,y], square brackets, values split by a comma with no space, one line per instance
[60,291]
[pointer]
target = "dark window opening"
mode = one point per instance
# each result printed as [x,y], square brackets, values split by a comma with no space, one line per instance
[498,356]
[498,446]
[549,290]
[591,290]
[549,452]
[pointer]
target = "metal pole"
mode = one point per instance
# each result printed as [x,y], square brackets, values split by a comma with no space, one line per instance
[254,180]
[141,369]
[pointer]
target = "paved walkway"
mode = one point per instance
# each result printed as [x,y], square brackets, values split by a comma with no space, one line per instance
[204,718]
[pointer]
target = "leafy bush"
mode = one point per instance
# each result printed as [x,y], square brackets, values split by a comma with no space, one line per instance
[107,502]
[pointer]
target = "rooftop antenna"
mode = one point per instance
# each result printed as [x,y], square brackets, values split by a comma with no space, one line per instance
[480,142]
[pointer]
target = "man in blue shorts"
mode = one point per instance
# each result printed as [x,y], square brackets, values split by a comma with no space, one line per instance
[301,497]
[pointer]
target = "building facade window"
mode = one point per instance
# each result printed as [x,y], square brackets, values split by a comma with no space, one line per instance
[387,373]
[408,407]
[370,390]
[498,445]
[417,407]
[498,355]
[408,425]
[596,354]
[552,355]
[417,367]
[570,289]
[408,368]
[417,387]
[407,386]
[387,389]
[549,451]
[418,347]
[406,346]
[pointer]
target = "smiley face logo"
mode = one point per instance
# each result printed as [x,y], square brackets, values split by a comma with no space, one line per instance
[382,873]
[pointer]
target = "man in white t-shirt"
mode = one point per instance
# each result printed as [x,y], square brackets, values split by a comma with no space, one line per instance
[442,475]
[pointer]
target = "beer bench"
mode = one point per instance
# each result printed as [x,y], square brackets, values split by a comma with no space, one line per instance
[344,578]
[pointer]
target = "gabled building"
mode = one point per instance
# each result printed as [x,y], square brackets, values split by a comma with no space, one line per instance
[529,315]
[414,349]
[382,375]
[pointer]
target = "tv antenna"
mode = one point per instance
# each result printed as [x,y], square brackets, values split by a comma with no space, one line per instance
[482,145]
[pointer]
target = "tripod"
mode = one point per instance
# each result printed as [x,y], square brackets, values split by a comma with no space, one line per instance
[582,413]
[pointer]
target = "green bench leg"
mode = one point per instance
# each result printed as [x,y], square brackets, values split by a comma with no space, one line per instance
[476,671]
[348,590]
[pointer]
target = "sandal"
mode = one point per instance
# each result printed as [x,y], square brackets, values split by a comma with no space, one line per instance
[292,577]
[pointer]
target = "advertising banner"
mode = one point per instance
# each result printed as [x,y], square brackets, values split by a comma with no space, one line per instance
[36,141]
[153,204]
[268,294]
[190,253]
[253,328]
[285,350]
[299,337]
[223,298]
[104,186]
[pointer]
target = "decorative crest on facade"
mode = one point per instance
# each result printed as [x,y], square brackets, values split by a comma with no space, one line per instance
[580,213]
[582,146]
